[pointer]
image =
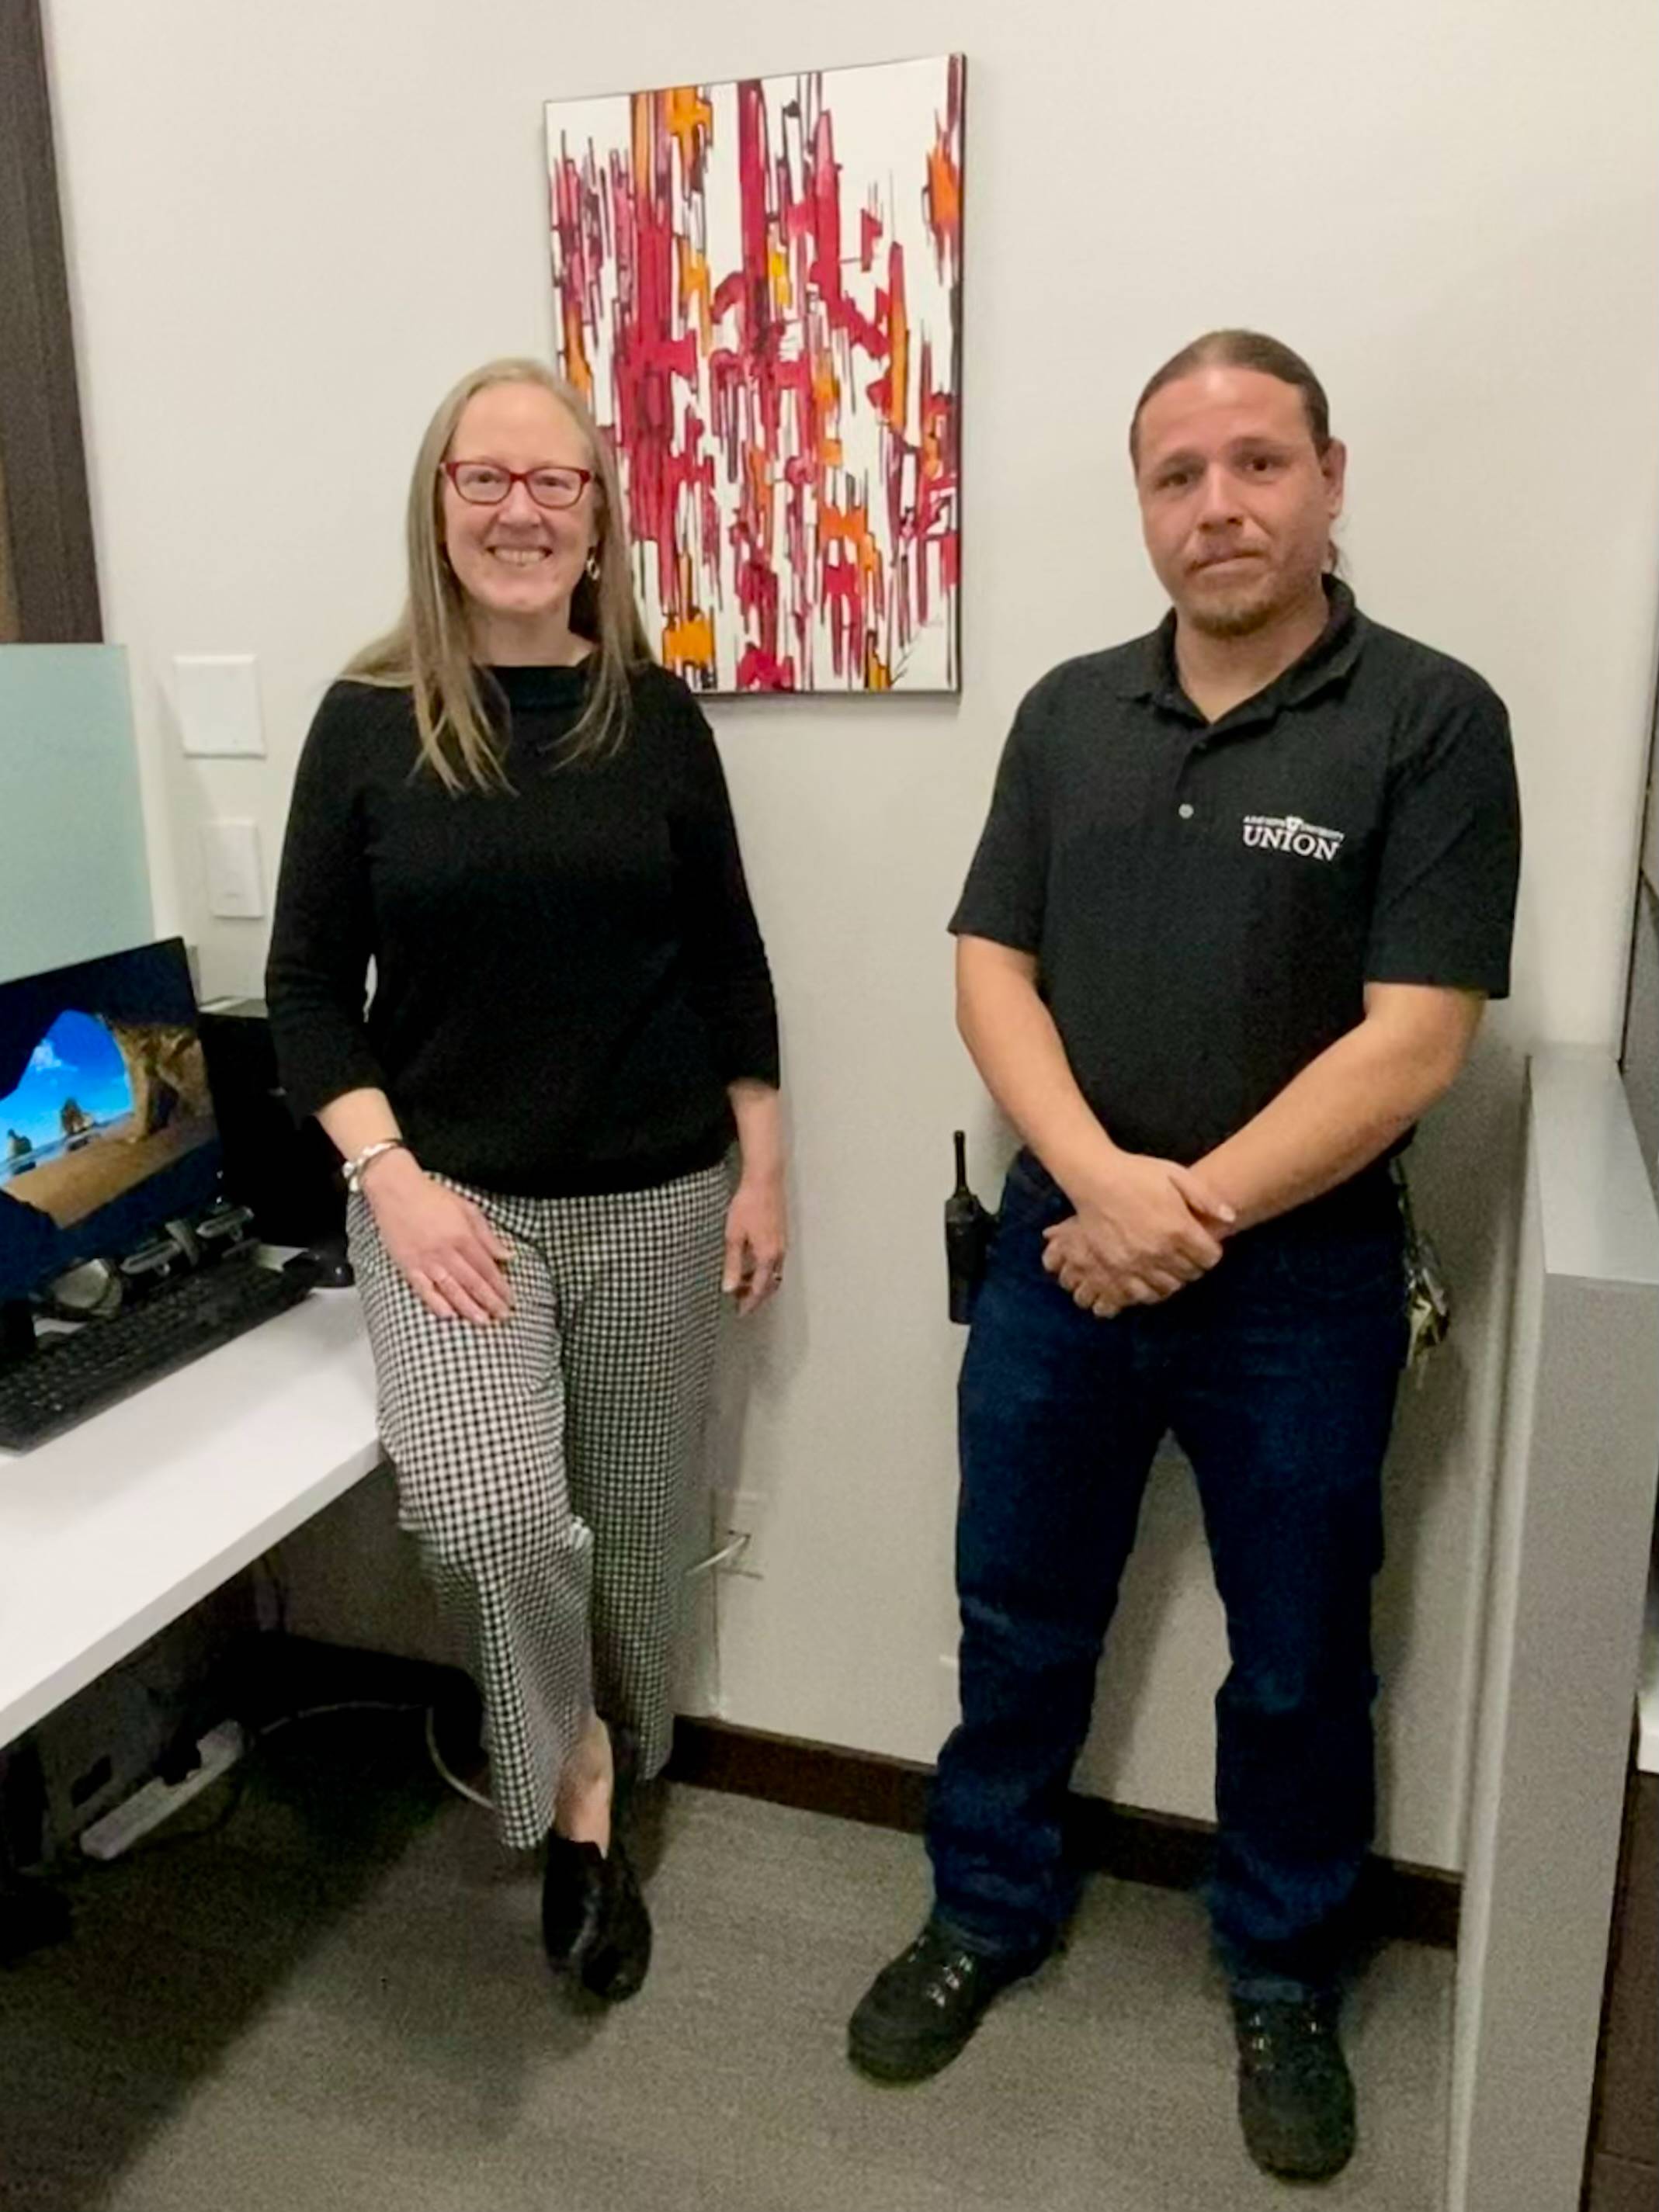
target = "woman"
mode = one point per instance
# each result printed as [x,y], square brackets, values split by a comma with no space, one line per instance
[520,819]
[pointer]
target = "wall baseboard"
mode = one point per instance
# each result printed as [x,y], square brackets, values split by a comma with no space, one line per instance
[1410,1904]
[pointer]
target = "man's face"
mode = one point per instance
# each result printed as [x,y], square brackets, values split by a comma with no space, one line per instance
[1236,504]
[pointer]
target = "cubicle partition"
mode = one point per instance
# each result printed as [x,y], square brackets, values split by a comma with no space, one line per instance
[1569,1569]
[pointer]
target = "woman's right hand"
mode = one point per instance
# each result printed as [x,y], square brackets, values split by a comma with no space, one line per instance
[448,1254]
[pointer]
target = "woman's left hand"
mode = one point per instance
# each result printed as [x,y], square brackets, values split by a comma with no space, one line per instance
[756,1237]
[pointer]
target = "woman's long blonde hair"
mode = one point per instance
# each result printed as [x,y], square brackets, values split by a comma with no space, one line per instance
[429,650]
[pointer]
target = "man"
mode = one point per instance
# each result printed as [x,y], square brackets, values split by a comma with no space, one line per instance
[1245,887]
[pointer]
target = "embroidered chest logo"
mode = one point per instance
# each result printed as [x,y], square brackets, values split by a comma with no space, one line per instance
[1289,833]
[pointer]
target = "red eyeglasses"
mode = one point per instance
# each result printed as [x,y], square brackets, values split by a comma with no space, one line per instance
[487,484]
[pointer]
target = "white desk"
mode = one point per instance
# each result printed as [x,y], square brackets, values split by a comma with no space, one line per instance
[110,1532]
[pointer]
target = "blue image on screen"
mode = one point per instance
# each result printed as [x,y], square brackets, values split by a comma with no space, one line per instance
[76,1082]
[107,1127]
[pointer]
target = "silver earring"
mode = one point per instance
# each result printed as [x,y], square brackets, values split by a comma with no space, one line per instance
[591,565]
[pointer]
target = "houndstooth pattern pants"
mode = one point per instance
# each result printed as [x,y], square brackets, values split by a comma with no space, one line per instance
[545,1462]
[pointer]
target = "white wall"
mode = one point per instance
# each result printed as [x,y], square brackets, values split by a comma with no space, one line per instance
[290,229]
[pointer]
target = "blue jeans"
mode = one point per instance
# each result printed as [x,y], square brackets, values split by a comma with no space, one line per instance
[1276,1375]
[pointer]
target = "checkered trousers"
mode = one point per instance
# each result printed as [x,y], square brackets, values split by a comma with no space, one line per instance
[546,1463]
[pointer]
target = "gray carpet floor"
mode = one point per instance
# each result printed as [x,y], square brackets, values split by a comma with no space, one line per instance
[336,2003]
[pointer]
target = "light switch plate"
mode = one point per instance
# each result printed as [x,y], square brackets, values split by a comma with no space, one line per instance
[235,883]
[217,698]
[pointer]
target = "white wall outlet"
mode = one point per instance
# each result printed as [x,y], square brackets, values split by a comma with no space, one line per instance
[235,881]
[739,1513]
[217,698]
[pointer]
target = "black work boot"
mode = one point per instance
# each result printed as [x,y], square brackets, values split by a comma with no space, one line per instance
[1295,2093]
[921,2010]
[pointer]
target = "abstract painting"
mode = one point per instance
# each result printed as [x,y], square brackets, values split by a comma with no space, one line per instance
[758,289]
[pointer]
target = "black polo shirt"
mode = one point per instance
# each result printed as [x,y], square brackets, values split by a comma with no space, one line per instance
[1207,901]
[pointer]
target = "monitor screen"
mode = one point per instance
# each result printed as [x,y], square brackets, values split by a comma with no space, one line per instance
[107,1128]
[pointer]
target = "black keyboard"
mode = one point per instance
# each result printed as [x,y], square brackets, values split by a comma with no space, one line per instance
[70,1376]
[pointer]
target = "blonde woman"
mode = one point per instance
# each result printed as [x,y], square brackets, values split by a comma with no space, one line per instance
[520,820]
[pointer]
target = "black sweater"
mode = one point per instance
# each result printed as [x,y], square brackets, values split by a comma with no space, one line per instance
[567,974]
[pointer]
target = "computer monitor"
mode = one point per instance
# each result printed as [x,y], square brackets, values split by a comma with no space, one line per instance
[107,1126]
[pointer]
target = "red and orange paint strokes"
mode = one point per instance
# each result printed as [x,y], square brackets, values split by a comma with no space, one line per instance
[758,287]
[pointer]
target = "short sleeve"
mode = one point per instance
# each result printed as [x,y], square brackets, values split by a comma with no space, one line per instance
[1442,911]
[1004,895]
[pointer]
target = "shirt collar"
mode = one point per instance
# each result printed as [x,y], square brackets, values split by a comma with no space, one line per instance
[1150,672]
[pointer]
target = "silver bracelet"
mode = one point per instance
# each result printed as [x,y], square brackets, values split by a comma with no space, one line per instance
[353,1167]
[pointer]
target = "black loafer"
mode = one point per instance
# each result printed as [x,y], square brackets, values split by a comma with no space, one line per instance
[921,2009]
[1296,2100]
